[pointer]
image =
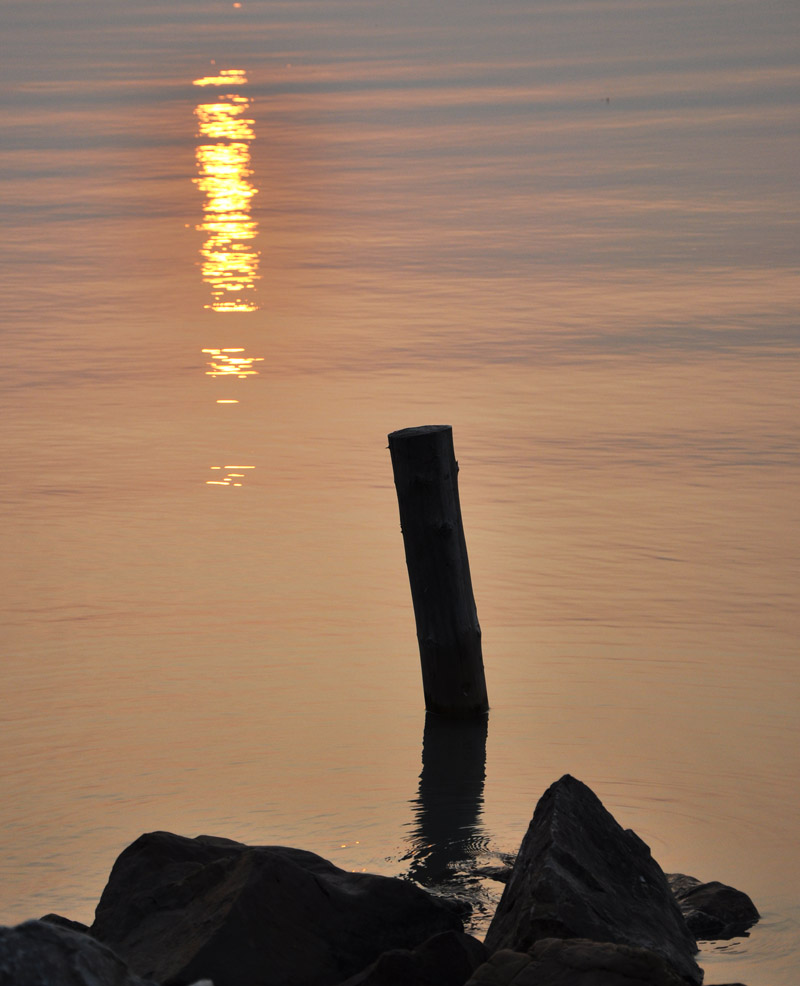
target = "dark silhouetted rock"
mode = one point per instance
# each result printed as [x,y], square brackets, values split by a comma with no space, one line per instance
[179,909]
[448,959]
[576,962]
[502,874]
[62,922]
[579,874]
[713,911]
[40,953]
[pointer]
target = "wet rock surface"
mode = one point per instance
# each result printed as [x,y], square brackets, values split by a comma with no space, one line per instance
[713,911]
[179,909]
[501,874]
[579,874]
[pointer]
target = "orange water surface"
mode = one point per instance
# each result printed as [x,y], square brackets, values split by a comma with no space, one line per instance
[242,243]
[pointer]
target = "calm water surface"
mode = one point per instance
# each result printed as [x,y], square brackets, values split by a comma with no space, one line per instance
[570,230]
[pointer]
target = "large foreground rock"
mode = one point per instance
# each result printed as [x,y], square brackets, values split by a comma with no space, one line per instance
[579,874]
[180,909]
[448,959]
[39,953]
[712,911]
[576,962]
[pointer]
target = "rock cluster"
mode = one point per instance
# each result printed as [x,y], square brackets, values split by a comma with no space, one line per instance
[579,874]
[585,905]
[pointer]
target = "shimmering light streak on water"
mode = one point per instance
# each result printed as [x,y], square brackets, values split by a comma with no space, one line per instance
[230,262]
[218,120]
[223,364]
[229,478]
[227,77]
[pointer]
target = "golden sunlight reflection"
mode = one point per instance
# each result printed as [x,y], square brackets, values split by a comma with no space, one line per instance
[229,477]
[228,76]
[230,262]
[231,363]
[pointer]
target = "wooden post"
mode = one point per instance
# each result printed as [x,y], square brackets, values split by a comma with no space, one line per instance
[426,478]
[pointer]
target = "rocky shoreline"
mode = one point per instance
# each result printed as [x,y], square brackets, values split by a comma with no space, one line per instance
[585,904]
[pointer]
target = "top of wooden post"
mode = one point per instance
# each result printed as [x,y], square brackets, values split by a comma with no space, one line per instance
[420,430]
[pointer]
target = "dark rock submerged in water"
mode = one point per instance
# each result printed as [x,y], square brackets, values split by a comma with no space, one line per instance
[712,911]
[579,874]
[43,953]
[576,962]
[179,909]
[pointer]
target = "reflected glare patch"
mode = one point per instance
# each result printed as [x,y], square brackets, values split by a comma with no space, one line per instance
[224,365]
[230,478]
[228,76]
[229,259]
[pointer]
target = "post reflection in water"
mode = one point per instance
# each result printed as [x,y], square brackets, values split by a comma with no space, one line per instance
[448,808]
[230,261]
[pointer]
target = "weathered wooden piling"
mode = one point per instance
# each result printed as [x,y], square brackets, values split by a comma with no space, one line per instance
[449,635]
